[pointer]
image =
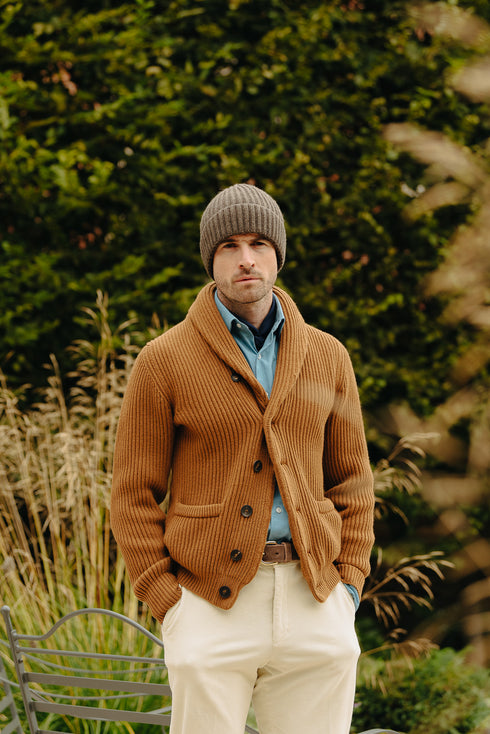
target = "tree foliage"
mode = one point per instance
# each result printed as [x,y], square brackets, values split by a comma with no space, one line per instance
[119,121]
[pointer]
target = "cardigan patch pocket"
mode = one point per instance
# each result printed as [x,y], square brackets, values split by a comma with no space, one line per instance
[198,510]
[192,536]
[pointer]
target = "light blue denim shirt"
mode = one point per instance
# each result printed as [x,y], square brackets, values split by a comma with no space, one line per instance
[263,364]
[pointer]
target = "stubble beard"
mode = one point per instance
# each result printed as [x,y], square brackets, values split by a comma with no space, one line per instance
[234,295]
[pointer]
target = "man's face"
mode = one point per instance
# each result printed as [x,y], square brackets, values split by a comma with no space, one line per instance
[245,269]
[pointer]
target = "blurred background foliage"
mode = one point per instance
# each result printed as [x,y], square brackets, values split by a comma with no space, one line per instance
[119,121]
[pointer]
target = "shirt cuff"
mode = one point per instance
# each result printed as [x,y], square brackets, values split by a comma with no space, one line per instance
[353,592]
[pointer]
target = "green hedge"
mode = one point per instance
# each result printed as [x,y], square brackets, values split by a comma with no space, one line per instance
[440,694]
[119,121]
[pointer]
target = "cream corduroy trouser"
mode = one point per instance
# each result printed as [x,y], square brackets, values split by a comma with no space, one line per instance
[293,656]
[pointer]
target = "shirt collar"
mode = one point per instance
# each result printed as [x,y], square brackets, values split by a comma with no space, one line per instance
[231,320]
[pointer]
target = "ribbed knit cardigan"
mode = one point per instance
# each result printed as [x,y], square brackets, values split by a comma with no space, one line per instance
[195,419]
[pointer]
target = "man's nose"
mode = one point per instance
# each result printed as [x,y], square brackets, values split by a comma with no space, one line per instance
[247,257]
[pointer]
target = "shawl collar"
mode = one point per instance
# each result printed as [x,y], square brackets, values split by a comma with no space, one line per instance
[205,317]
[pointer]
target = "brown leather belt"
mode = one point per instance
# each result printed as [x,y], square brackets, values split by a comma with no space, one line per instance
[279,552]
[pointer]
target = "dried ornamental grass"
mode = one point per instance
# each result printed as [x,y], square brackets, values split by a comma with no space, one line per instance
[56,549]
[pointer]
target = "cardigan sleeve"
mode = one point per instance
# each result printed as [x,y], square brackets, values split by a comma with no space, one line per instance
[141,469]
[348,478]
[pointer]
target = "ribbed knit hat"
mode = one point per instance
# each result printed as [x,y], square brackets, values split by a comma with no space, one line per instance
[241,209]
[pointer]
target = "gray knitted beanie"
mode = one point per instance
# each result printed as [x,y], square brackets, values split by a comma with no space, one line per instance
[241,209]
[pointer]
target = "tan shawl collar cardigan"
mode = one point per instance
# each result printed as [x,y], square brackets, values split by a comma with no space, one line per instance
[195,416]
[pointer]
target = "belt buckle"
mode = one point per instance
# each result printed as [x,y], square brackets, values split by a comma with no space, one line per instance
[270,563]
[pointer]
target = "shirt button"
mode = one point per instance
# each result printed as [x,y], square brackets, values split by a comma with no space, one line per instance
[235,377]
[259,356]
[257,466]
[279,509]
[225,592]
[246,511]
[236,555]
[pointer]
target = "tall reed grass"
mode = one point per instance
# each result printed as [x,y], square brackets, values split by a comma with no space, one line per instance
[56,549]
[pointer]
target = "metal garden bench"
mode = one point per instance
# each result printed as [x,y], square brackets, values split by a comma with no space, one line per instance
[57,683]
[88,685]
[9,717]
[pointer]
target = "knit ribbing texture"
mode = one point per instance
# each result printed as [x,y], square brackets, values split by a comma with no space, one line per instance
[194,408]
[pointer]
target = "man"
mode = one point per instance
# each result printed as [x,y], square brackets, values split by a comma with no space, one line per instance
[251,420]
